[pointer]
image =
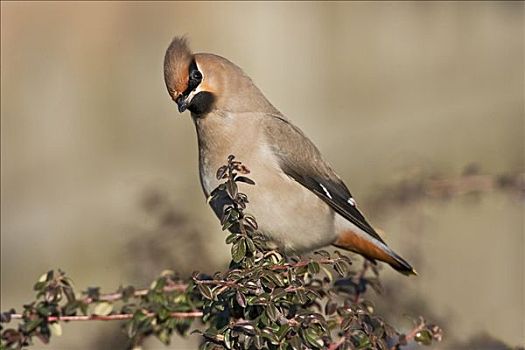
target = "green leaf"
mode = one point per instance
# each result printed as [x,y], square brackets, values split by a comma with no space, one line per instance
[70,294]
[221,172]
[205,291]
[42,280]
[424,337]
[246,328]
[68,282]
[231,237]
[254,300]
[247,343]
[264,320]
[30,326]
[250,247]
[241,299]
[10,336]
[283,330]
[227,339]
[270,335]
[330,308]
[258,342]
[231,188]
[363,342]
[346,323]
[250,220]
[103,309]
[227,225]
[93,293]
[225,216]
[39,286]
[313,337]
[278,293]
[43,310]
[313,267]
[295,343]
[55,329]
[340,267]
[369,306]
[272,312]
[206,345]
[164,336]
[276,278]
[128,292]
[323,253]
[301,296]
[328,273]
[245,180]
[234,214]
[71,307]
[266,282]
[46,277]
[239,250]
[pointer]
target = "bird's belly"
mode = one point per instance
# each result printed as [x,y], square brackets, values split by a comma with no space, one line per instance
[290,215]
[294,218]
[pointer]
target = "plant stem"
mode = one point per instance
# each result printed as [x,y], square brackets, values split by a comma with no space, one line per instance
[115,317]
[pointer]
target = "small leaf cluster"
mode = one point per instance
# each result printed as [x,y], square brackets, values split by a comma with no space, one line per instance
[153,314]
[244,238]
[146,312]
[54,297]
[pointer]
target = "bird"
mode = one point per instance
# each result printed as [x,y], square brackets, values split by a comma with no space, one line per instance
[299,201]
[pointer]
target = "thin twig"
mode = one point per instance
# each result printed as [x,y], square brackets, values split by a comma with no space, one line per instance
[415,331]
[115,317]
[410,336]
[138,293]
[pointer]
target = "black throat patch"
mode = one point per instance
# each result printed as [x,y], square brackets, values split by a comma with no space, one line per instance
[201,103]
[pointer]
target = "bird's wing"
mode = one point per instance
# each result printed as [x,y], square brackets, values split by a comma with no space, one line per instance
[301,160]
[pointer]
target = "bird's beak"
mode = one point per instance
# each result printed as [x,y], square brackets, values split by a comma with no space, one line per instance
[182,103]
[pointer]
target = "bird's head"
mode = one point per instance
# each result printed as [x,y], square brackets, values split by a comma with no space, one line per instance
[204,82]
[189,83]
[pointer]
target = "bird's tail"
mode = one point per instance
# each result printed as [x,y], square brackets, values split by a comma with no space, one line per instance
[401,264]
[373,249]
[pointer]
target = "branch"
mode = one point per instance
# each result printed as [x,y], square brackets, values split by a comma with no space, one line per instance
[414,331]
[115,317]
[138,293]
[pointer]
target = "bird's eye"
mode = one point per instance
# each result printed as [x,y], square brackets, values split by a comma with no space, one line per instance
[195,75]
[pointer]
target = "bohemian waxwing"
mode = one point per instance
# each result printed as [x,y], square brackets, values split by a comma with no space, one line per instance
[299,202]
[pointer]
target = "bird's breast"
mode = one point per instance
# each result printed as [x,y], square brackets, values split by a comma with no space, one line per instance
[291,215]
[220,137]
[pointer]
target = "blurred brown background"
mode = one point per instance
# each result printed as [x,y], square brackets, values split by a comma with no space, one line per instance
[419,106]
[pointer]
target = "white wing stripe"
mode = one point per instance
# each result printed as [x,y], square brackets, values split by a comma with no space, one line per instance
[325,191]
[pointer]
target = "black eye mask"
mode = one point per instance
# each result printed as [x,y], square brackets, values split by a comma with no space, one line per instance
[195,78]
[202,102]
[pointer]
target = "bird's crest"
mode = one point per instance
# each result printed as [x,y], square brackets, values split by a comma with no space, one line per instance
[176,65]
